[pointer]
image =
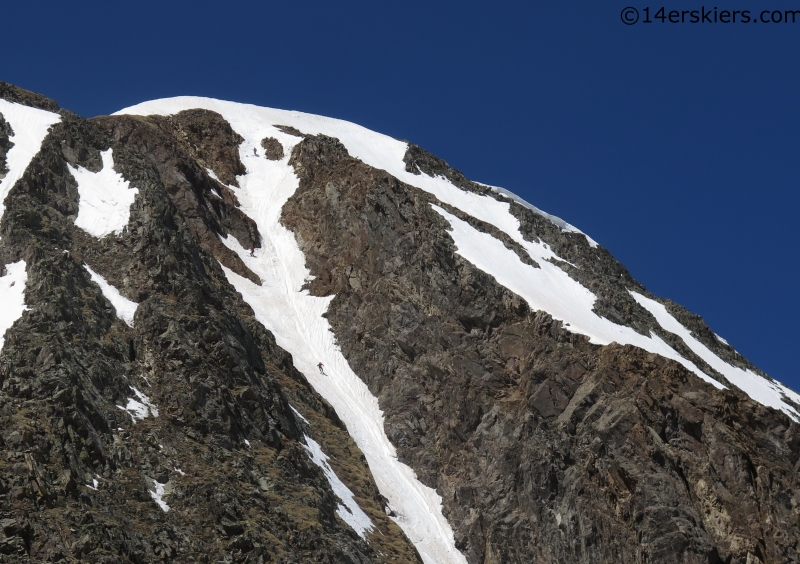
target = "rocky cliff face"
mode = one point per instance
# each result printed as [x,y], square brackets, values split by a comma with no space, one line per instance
[187,433]
[215,440]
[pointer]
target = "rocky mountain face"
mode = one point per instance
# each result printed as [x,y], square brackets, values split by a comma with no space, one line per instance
[196,428]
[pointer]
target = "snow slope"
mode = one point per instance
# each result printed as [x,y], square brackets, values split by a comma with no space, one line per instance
[105,198]
[125,308]
[30,127]
[157,493]
[550,289]
[12,296]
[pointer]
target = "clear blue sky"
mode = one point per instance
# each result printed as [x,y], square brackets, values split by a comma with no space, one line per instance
[673,145]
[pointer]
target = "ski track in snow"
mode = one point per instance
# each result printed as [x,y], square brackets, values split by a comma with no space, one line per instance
[12,296]
[124,307]
[294,317]
[30,127]
[350,512]
[105,198]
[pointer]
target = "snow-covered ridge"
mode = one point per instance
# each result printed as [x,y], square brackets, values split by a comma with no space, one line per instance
[30,126]
[374,149]
[105,198]
[12,296]
[124,307]
[568,227]
[550,289]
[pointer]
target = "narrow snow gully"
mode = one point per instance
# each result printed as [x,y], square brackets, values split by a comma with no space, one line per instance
[29,128]
[295,316]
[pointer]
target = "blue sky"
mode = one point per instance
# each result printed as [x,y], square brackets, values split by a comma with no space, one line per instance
[673,145]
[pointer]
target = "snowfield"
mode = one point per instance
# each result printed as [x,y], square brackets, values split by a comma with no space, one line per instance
[105,198]
[760,389]
[139,408]
[295,317]
[29,128]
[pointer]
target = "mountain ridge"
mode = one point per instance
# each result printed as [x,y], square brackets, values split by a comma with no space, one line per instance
[541,438]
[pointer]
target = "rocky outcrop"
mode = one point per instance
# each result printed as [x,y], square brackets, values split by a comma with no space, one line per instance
[544,447]
[5,145]
[208,463]
[273,149]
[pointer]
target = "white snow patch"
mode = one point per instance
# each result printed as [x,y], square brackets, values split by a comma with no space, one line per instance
[247,443]
[179,471]
[350,512]
[721,340]
[141,408]
[105,198]
[124,307]
[30,127]
[93,484]
[550,289]
[295,317]
[12,296]
[157,494]
[299,414]
[762,390]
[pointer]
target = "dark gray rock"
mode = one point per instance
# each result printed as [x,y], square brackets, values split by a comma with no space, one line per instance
[5,145]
